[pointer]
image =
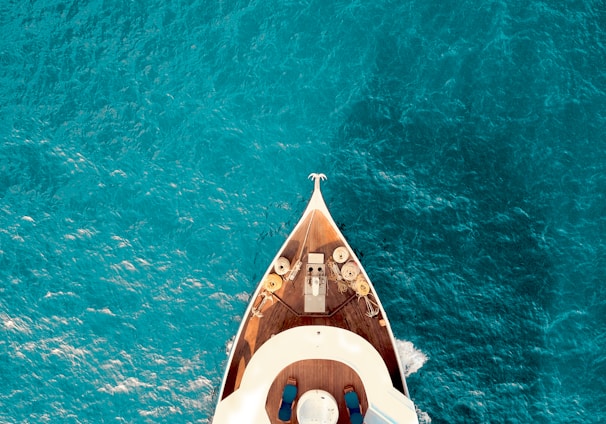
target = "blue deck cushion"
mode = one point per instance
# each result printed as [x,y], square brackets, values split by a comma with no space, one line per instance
[285,412]
[356,418]
[289,393]
[288,396]
[353,405]
[352,401]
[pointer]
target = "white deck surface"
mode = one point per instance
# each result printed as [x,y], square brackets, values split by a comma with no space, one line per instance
[247,404]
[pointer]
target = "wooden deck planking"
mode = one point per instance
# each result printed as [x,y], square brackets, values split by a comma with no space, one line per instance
[327,375]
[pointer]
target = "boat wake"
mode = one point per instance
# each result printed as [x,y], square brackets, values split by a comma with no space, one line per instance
[424,417]
[411,358]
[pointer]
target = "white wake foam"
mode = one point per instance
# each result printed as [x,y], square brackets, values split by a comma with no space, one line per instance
[424,417]
[411,358]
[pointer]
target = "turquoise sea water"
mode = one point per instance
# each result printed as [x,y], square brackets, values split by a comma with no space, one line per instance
[154,155]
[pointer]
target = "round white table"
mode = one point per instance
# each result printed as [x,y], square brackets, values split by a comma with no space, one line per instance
[317,407]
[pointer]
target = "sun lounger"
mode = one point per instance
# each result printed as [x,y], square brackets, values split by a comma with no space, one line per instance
[353,405]
[288,397]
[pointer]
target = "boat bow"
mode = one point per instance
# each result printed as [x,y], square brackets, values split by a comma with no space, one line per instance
[314,318]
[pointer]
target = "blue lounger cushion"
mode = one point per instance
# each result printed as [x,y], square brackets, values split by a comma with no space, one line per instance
[288,397]
[353,405]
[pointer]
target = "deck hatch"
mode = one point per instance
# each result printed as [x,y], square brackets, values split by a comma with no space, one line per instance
[315,284]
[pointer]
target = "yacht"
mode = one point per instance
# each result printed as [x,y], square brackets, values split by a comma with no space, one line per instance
[315,345]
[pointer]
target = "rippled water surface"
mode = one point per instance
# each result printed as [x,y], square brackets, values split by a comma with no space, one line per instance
[154,155]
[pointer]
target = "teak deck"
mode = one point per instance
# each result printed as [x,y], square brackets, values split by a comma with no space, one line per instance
[316,234]
[325,375]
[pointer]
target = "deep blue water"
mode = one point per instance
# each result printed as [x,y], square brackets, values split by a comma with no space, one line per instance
[154,155]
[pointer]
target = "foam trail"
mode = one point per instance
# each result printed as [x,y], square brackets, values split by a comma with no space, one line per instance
[424,417]
[411,358]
